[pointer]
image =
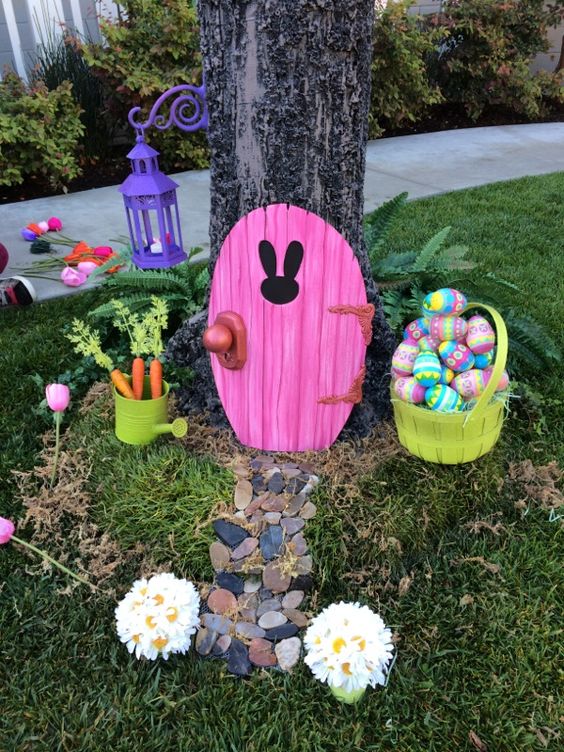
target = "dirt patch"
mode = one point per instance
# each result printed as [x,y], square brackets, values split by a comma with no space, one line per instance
[539,482]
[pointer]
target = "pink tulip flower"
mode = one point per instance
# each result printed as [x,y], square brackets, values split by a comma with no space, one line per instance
[7,529]
[58,397]
[72,277]
[86,267]
[103,251]
[55,224]
[44,226]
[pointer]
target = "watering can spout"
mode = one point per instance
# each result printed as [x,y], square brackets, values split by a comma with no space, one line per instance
[178,428]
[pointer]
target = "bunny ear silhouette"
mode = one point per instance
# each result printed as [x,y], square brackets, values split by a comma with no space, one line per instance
[293,259]
[267,257]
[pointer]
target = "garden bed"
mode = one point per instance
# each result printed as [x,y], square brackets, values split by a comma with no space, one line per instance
[462,562]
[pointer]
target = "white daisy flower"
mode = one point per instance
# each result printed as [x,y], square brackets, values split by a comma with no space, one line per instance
[158,616]
[348,646]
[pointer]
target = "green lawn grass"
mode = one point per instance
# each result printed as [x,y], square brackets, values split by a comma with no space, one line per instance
[478,617]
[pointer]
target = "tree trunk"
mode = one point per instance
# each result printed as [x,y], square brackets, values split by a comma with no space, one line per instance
[288,90]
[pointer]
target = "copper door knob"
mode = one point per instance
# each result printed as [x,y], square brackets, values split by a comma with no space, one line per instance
[218,338]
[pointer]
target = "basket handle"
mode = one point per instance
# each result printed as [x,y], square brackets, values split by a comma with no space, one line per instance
[499,364]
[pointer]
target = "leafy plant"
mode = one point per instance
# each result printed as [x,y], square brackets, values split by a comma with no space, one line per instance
[406,278]
[486,52]
[39,132]
[401,89]
[150,47]
[181,287]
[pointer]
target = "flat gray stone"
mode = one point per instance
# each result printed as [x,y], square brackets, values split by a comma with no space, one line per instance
[308,510]
[296,616]
[298,544]
[249,631]
[205,640]
[222,645]
[219,555]
[292,524]
[245,548]
[270,604]
[272,619]
[288,652]
[294,506]
[216,622]
[252,584]
[243,494]
[293,599]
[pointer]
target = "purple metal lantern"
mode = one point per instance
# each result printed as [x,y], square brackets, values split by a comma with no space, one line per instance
[152,211]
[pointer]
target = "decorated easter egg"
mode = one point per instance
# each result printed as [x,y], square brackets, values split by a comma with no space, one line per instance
[443,399]
[404,358]
[481,337]
[408,390]
[447,327]
[416,329]
[429,344]
[427,369]
[484,360]
[470,383]
[456,355]
[445,301]
[447,375]
[503,381]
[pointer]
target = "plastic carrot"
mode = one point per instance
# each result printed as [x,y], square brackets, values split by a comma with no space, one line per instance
[156,378]
[138,377]
[121,384]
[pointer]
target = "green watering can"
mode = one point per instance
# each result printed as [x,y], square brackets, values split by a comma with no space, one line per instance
[141,421]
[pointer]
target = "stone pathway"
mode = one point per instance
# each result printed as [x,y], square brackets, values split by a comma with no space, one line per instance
[252,614]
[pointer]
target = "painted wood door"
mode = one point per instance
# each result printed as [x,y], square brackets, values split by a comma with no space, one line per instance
[296,284]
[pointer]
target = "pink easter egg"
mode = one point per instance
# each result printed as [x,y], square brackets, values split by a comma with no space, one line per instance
[429,344]
[503,381]
[447,327]
[469,384]
[408,390]
[404,358]
[480,337]
[416,329]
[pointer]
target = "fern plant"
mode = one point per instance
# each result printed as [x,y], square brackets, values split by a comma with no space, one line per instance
[406,278]
[181,287]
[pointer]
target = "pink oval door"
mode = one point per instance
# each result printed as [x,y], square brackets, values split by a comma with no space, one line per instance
[294,281]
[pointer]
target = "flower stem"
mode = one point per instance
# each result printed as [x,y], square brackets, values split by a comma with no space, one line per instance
[57,442]
[53,561]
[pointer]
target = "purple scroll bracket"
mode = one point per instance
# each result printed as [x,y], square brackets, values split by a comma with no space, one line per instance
[188,111]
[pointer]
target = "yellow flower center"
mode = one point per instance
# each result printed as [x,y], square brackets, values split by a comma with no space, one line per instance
[136,638]
[143,591]
[361,641]
[150,622]
[160,642]
[338,644]
[317,641]
[159,599]
[172,614]
[347,669]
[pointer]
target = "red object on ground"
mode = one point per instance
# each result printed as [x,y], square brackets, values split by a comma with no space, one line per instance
[4,257]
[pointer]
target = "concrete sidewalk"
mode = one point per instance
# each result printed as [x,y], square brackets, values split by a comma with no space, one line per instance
[422,165]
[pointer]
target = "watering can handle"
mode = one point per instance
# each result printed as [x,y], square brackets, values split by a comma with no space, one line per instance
[177,428]
[500,360]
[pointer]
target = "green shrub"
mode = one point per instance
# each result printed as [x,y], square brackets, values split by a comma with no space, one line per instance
[486,52]
[39,132]
[153,46]
[401,91]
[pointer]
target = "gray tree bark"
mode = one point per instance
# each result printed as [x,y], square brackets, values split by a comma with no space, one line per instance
[288,89]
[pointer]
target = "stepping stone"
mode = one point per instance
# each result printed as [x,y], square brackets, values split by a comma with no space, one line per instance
[258,483]
[292,524]
[272,619]
[219,624]
[303,582]
[243,494]
[293,599]
[288,652]
[308,510]
[222,645]
[220,601]
[306,467]
[230,582]
[256,504]
[245,548]
[273,518]
[291,472]
[249,631]
[240,471]
[219,555]
[304,565]
[294,505]
[271,542]
[205,640]
[260,653]
[296,617]
[277,484]
[252,584]
[274,579]
[295,485]
[298,544]
[274,504]
[271,604]
[238,661]
[229,533]
[281,632]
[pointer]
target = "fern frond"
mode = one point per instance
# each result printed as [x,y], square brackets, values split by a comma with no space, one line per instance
[150,280]
[378,225]
[430,249]
[530,342]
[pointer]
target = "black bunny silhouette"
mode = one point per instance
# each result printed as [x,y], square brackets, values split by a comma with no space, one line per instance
[280,290]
